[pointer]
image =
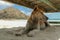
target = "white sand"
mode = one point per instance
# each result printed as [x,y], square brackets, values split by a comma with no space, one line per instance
[12,23]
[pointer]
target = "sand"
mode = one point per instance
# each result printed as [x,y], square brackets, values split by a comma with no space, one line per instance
[52,33]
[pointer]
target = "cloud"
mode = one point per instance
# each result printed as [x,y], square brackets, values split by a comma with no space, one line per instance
[4,4]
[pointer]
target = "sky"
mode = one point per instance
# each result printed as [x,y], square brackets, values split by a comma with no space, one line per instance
[23,9]
[4,4]
[27,11]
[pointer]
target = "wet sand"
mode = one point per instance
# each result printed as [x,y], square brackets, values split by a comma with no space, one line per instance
[51,33]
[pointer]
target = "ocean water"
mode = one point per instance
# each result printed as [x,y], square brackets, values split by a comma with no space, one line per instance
[53,16]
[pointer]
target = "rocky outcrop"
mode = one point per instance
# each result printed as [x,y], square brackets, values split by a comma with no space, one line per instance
[12,13]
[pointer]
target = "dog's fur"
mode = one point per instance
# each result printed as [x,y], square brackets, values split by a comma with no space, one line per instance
[36,20]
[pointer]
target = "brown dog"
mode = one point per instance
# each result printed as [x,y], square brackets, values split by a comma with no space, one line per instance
[36,20]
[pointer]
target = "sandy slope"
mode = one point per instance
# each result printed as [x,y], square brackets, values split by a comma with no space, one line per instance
[52,33]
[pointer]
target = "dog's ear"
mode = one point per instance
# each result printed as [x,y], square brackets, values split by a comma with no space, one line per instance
[35,7]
